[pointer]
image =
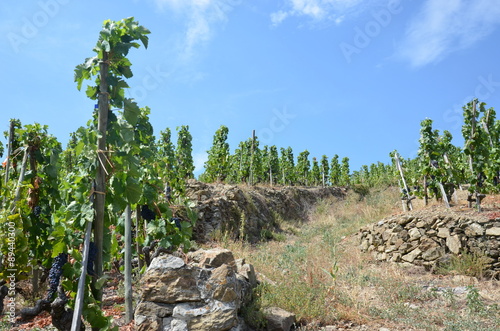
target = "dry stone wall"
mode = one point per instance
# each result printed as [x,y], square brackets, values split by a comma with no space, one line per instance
[429,238]
[247,210]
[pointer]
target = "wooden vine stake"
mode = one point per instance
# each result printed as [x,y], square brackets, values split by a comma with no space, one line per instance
[129,309]
[477,197]
[9,152]
[252,151]
[99,206]
[406,199]
[76,321]
[443,192]
[447,161]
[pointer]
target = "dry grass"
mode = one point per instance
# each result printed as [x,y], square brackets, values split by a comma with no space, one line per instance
[319,273]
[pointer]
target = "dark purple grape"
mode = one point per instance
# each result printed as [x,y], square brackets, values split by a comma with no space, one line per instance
[177,222]
[147,214]
[55,274]
[37,211]
[91,259]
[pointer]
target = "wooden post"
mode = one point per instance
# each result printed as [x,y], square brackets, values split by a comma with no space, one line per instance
[426,197]
[485,126]
[251,157]
[137,233]
[443,193]
[9,151]
[447,161]
[473,130]
[103,104]
[405,186]
[478,196]
[75,324]
[441,187]
[20,181]
[129,309]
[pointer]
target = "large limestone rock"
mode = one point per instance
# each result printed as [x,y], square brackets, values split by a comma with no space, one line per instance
[278,319]
[493,231]
[169,280]
[203,294]
[453,243]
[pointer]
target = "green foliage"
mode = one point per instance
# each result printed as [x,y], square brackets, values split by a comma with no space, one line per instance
[183,153]
[315,175]
[439,161]
[38,188]
[287,166]
[302,168]
[345,179]
[240,163]
[335,172]
[253,312]
[270,165]
[217,165]
[256,166]
[115,40]
[481,145]
[325,170]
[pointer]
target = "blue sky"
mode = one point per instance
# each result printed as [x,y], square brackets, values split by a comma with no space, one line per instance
[347,77]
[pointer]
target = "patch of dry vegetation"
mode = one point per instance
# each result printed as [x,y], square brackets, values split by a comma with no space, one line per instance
[319,273]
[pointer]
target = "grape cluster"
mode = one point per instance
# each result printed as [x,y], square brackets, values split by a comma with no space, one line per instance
[91,259]
[168,192]
[37,211]
[177,222]
[55,274]
[147,214]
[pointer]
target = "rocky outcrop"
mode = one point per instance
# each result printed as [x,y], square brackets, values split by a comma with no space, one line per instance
[247,210]
[203,291]
[424,238]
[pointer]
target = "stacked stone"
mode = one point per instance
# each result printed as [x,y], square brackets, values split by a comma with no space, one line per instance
[421,239]
[204,294]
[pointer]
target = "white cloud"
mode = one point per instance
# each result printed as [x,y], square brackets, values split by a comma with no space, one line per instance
[443,27]
[201,17]
[278,17]
[319,10]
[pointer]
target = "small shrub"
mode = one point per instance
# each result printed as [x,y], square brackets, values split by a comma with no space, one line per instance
[469,264]
[361,190]
[252,313]
[266,234]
